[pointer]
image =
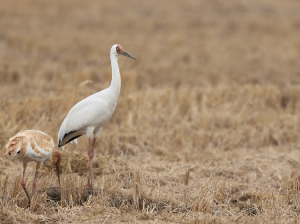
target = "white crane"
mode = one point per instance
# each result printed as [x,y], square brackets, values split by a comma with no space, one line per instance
[90,114]
[33,145]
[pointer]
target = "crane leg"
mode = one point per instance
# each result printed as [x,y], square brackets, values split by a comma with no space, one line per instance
[89,184]
[38,165]
[91,156]
[23,184]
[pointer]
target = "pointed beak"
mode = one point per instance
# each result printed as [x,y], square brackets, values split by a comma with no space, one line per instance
[127,54]
[57,170]
[56,158]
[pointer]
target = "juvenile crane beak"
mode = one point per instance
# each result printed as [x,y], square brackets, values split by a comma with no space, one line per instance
[127,54]
[56,158]
[57,170]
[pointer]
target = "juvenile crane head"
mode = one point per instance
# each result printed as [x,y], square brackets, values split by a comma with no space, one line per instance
[56,158]
[118,50]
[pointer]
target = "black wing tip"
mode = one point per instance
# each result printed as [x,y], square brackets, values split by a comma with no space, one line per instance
[72,139]
[66,134]
[60,144]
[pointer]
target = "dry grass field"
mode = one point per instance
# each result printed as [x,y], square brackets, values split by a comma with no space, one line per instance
[207,126]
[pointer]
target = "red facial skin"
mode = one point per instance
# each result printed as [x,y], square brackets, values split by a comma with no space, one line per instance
[119,49]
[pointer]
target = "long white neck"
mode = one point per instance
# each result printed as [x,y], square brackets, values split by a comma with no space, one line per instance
[115,85]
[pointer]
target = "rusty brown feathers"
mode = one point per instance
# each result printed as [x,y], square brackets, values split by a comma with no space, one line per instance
[19,142]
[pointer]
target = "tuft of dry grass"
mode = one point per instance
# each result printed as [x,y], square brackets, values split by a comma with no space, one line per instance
[207,125]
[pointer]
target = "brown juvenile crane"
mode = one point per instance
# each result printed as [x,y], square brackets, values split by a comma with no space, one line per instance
[33,145]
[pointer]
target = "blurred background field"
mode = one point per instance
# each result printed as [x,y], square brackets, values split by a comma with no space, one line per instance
[207,125]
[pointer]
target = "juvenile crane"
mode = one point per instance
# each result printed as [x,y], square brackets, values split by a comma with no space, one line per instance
[90,114]
[33,145]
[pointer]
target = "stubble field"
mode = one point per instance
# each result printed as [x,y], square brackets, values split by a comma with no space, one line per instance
[207,125]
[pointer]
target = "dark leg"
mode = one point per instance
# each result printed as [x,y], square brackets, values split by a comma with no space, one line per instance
[23,184]
[38,165]
[91,156]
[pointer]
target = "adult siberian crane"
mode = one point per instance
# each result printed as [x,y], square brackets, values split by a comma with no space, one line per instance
[90,114]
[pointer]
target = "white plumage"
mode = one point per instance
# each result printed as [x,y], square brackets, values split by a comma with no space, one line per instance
[90,114]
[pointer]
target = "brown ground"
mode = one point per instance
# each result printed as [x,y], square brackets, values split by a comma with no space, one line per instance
[207,125]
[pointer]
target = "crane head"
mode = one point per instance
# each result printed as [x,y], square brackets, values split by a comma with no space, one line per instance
[120,51]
